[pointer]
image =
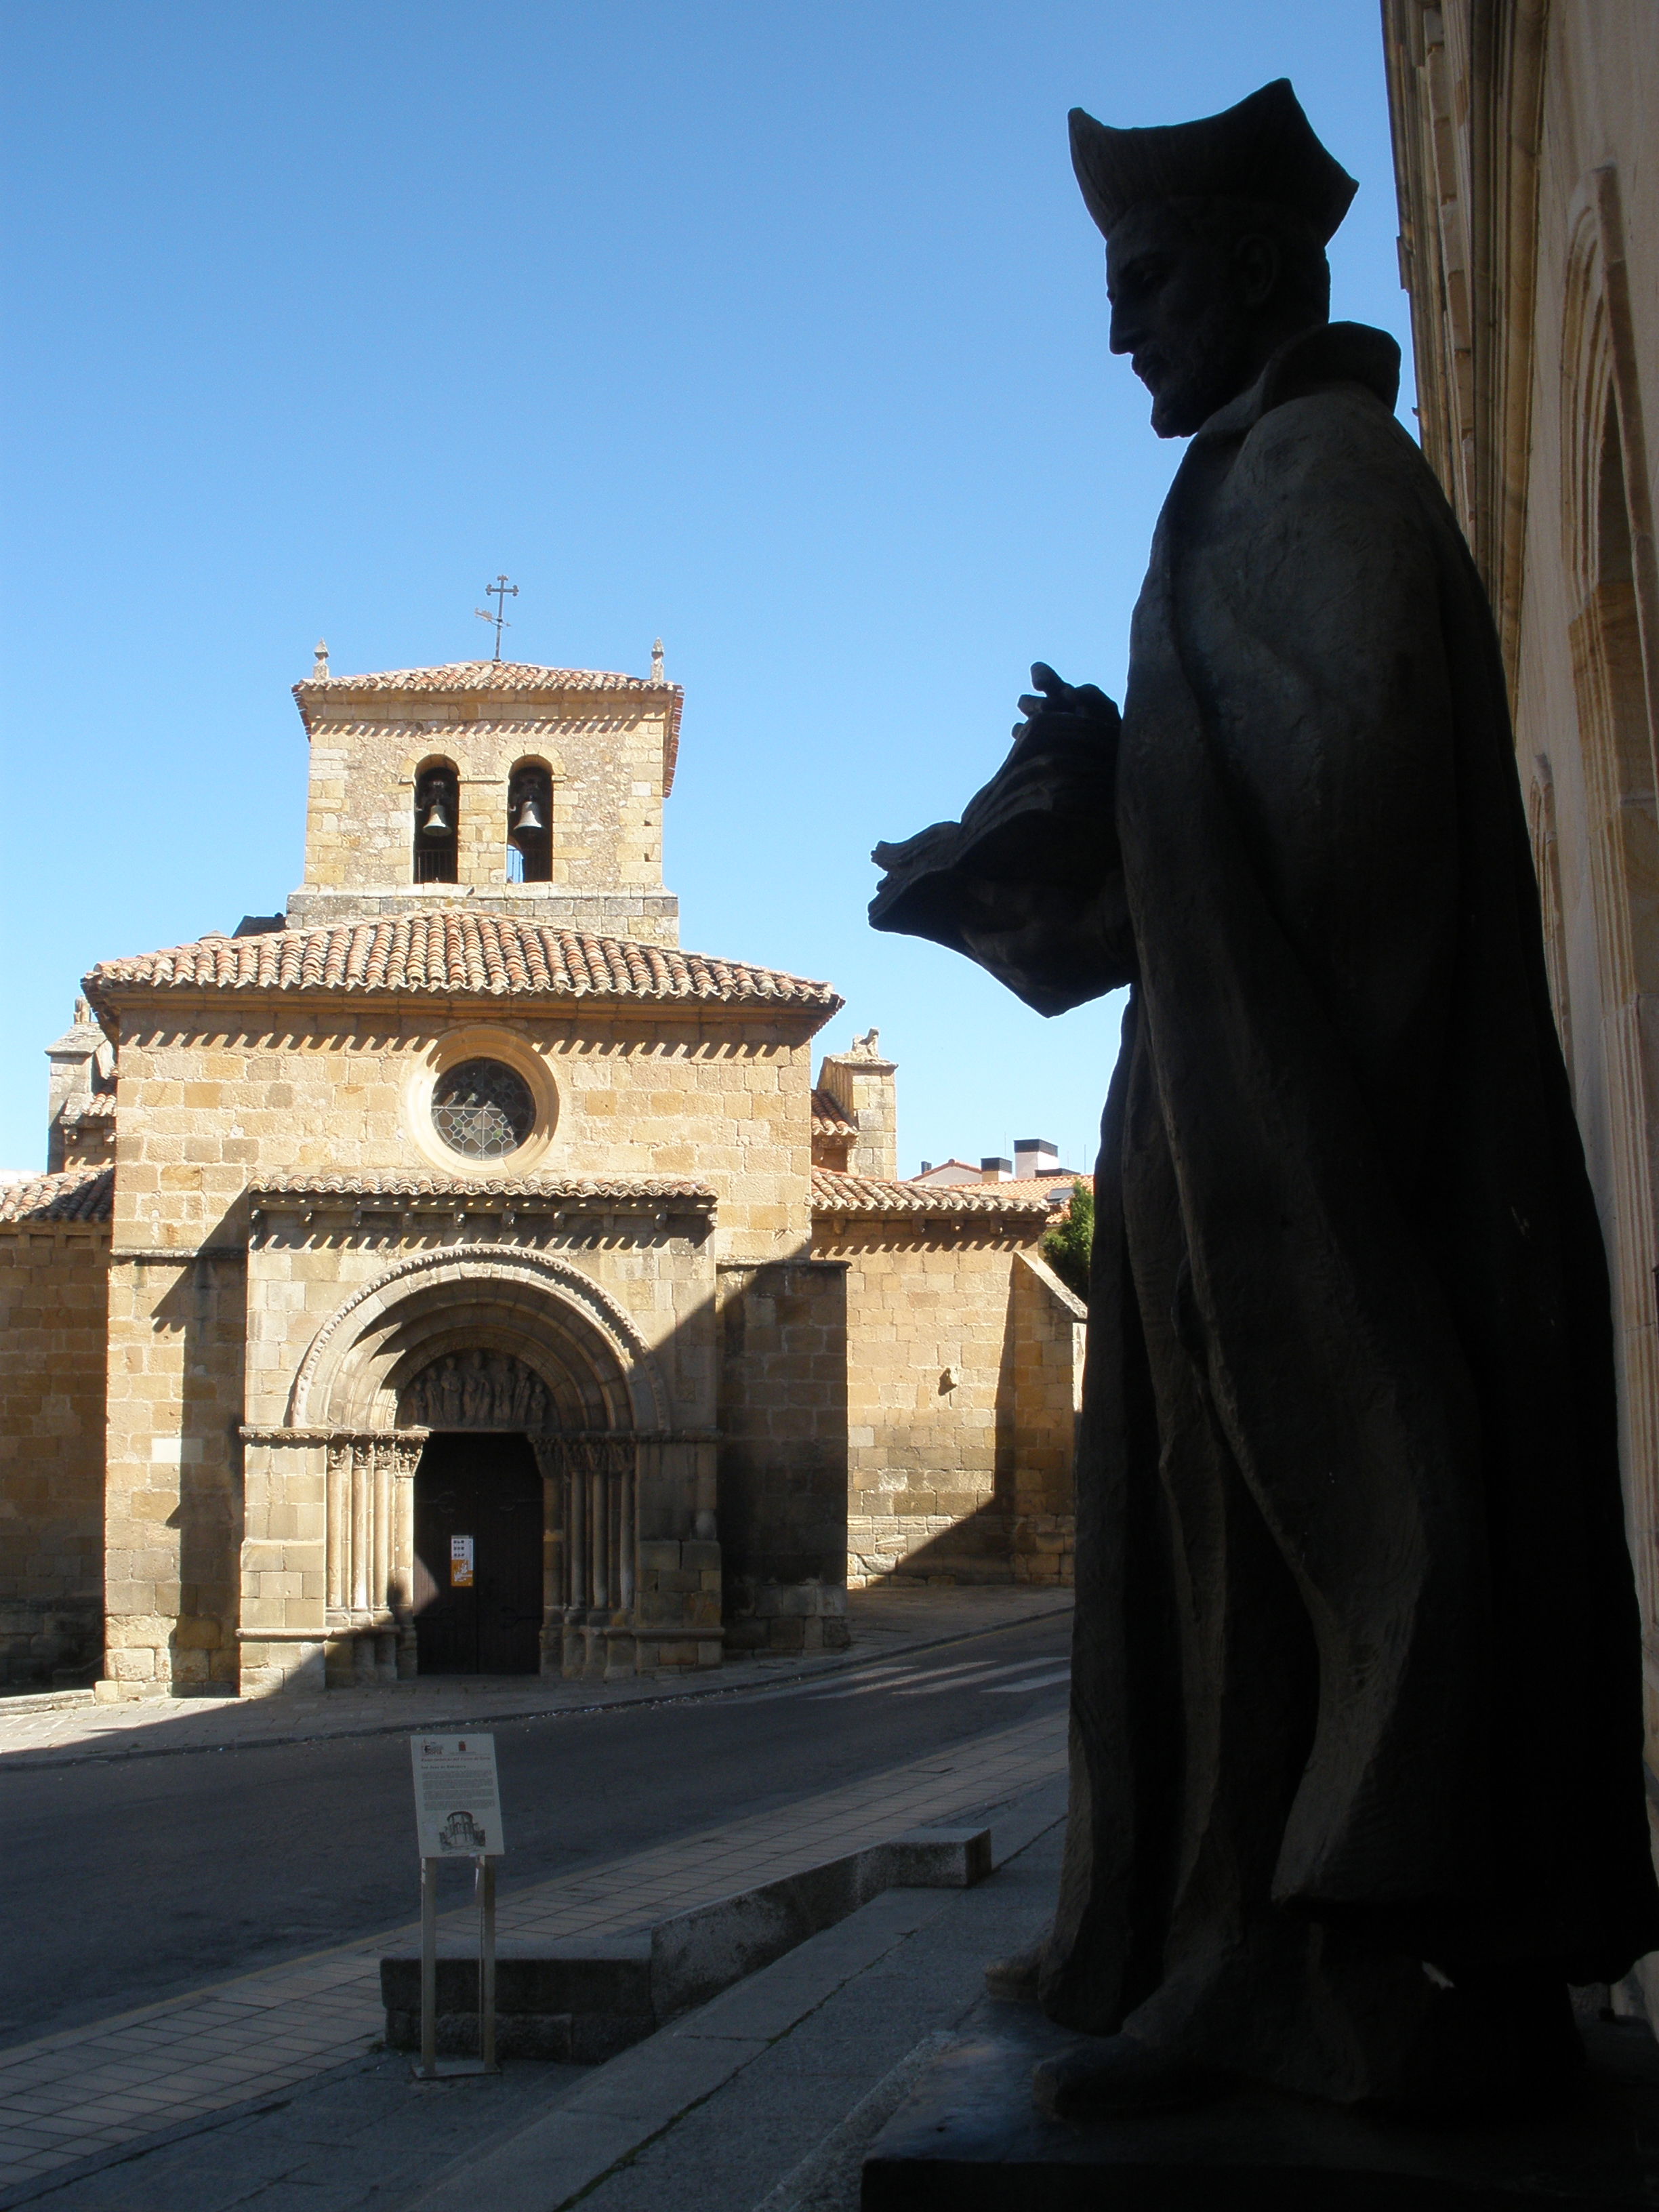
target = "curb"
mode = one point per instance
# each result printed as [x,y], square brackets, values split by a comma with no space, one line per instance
[51,1757]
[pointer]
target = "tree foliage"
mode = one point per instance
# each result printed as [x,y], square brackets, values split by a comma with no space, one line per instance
[1066,1246]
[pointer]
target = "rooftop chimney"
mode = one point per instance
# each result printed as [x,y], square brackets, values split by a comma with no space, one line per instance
[1035,1156]
[992,1170]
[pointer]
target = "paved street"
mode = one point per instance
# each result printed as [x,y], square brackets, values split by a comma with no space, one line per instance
[130,1882]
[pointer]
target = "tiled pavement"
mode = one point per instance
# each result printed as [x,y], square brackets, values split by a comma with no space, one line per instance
[92,2089]
[49,1729]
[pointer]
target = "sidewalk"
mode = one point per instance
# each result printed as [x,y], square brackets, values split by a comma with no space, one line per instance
[90,2095]
[761,2101]
[68,1725]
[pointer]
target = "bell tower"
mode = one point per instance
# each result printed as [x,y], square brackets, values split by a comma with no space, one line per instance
[509,789]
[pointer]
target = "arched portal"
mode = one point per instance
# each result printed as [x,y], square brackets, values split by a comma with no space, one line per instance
[493,1419]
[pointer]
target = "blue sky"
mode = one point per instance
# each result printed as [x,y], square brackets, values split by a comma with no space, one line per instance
[778,330]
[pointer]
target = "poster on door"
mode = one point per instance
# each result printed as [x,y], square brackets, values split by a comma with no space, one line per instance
[460,1563]
[457,1806]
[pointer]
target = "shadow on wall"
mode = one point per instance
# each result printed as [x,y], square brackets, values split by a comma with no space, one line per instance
[205,1309]
[986,1497]
[783,1460]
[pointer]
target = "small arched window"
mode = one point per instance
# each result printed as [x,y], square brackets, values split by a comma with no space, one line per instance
[437,822]
[530,824]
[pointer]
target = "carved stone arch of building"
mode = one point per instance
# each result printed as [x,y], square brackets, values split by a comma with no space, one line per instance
[1544,826]
[1605,526]
[485,1338]
[536,1307]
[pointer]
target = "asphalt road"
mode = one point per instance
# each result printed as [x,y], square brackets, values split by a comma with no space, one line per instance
[125,1883]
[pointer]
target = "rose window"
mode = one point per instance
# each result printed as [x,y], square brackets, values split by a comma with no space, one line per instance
[483,1110]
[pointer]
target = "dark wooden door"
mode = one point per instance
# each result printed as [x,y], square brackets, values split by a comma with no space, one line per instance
[487,1487]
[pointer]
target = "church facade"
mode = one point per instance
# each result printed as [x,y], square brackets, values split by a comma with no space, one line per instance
[1524,141]
[452,1274]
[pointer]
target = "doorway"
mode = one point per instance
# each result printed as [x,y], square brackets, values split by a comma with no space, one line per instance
[477,1555]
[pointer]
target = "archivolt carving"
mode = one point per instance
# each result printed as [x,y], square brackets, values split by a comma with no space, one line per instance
[508,1270]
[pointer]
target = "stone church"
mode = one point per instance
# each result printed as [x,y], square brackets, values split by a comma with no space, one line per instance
[453,1275]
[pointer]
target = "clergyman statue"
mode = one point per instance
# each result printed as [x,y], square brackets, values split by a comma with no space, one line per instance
[1357,1785]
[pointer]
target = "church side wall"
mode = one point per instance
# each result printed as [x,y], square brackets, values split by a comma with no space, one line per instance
[1573,475]
[53,1302]
[1583,705]
[1049,1323]
[956,1445]
[172,1504]
[783,1459]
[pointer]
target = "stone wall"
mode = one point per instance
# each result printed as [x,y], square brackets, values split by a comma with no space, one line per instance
[863,1085]
[209,1093]
[173,1509]
[1048,1322]
[783,1460]
[964,1357]
[54,1300]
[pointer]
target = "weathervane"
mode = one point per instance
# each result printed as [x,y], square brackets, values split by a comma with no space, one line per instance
[500,591]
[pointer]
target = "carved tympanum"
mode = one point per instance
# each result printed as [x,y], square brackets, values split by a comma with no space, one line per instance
[476,1389]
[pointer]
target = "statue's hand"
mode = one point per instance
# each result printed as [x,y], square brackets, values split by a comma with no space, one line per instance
[1046,812]
[1064,714]
[1028,882]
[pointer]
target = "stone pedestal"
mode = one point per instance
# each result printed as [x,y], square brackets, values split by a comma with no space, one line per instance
[969,2140]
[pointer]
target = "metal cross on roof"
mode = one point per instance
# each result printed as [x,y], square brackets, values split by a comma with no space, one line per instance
[500,591]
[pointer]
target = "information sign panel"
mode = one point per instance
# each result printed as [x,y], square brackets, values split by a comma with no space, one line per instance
[457,1808]
[460,1563]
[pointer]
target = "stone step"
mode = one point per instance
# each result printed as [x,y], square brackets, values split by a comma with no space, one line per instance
[582,1999]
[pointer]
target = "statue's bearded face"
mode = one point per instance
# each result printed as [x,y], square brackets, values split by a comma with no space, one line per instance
[1187,306]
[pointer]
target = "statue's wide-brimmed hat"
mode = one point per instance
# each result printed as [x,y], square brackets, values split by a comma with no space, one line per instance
[1264,149]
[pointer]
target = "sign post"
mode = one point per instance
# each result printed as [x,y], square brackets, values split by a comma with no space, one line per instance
[457,1814]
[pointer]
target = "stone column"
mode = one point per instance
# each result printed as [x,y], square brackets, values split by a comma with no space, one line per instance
[328,1558]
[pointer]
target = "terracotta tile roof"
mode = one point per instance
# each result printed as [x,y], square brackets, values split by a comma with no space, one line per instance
[510,676]
[377,1184]
[829,1120]
[483,676]
[101,1107]
[1055,1191]
[78,1195]
[458,953]
[861,1198]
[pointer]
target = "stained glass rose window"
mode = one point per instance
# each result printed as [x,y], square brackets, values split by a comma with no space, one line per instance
[483,1110]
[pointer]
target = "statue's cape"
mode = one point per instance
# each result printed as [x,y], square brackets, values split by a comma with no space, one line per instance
[1346,1250]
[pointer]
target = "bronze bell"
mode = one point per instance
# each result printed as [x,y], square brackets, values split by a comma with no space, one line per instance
[436,824]
[529,818]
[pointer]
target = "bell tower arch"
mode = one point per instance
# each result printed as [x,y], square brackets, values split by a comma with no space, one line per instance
[511,789]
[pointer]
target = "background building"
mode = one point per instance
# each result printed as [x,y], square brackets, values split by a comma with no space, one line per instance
[453,1274]
[1527,156]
